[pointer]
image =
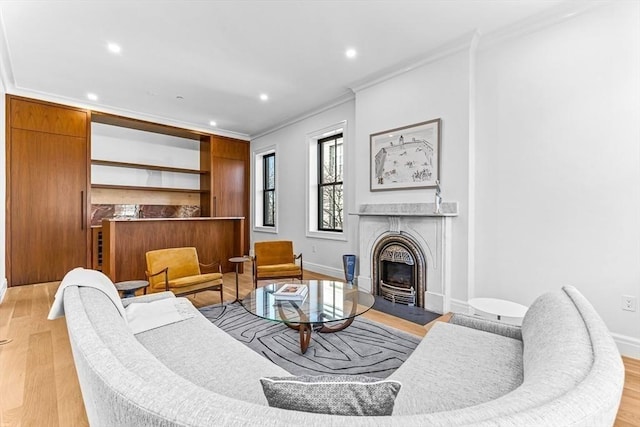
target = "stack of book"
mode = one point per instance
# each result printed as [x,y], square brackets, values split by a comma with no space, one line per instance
[291,291]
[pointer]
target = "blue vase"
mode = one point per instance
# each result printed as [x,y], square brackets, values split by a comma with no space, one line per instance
[349,264]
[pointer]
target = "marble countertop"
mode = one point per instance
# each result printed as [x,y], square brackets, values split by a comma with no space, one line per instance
[172,219]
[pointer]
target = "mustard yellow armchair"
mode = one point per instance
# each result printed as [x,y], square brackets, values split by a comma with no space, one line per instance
[275,260]
[178,270]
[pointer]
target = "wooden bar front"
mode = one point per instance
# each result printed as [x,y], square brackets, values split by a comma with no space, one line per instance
[125,242]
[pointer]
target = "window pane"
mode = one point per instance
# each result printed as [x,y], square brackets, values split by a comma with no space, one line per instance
[337,206]
[269,208]
[328,162]
[326,203]
[270,171]
[331,201]
[339,165]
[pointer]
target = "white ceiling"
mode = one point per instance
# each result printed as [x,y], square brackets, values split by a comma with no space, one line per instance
[221,55]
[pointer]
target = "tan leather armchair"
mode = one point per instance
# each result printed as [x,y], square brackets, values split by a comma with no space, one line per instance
[275,260]
[178,270]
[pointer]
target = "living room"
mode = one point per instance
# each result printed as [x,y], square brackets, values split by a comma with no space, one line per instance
[539,142]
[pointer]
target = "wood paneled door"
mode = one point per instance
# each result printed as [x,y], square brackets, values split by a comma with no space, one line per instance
[47,182]
[230,177]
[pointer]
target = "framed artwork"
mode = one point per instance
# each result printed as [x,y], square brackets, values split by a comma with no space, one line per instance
[406,157]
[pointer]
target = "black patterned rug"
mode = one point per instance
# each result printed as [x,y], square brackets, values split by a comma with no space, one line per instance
[364,348]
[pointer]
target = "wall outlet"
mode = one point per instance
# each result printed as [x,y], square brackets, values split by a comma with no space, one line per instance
[313,248]
[629,303]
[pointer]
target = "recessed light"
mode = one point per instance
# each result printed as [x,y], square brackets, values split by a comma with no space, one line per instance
[264,96]
[213,123]
[350,53]
[390,135]
[114,48]
[92,96]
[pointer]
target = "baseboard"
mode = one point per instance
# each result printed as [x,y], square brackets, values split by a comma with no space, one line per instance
[3,289]
[338,273]
[459,306]
[628,346]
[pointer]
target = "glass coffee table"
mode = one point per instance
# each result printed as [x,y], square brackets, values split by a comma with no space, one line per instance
[329,306]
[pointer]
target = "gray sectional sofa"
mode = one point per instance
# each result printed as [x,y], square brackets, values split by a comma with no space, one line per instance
[561,368]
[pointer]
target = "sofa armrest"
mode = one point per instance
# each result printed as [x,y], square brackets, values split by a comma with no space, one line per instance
[148,298]
[506,330]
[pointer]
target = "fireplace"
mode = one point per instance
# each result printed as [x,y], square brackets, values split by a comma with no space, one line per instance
[405,246]
[399,270]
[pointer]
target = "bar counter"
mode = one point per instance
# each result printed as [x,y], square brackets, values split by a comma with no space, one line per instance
[125,242]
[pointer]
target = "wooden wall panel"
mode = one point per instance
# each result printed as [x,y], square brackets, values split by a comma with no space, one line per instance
[46,117]
[230,177]
[48,149]
[126,242]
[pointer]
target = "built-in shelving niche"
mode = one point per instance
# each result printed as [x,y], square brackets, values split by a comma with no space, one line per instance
[143,169]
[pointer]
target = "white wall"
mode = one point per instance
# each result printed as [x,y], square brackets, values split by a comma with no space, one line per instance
[436,90]
[291,165]
[540,147]
[558,164]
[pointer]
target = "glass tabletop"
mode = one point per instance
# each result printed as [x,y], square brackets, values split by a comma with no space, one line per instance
[325,301]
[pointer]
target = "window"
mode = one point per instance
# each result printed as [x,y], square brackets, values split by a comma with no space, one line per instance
[265,193]
[327,182]
[330,185]
[269,190]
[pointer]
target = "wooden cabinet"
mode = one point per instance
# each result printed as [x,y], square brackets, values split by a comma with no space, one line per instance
[230,179]
[49,187]
[47,191]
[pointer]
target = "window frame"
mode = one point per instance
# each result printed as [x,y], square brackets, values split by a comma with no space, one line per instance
[257,184]
[321,184]
[266,189]
[311,182]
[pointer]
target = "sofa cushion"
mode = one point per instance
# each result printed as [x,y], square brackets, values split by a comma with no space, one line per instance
[557,351]
[204,354]
[337,395]
[456,367]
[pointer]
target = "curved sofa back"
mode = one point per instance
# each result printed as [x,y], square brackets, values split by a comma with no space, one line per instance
[123,384]
[573,372]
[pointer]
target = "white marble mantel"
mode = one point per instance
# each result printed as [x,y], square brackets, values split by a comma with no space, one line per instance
[408,209]
[430,230]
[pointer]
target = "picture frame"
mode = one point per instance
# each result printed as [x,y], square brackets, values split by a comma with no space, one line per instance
[406,157]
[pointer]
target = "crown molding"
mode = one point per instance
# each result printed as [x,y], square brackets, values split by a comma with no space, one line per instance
[450,48]
[331,104]
[559,14]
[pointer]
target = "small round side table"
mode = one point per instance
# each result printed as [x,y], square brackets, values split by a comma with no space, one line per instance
[130,287]
[237,260]
[499,307]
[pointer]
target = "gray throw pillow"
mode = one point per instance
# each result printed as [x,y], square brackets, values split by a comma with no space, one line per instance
[336,395]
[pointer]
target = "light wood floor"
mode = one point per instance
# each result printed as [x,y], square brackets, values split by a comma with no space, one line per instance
[38,383]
